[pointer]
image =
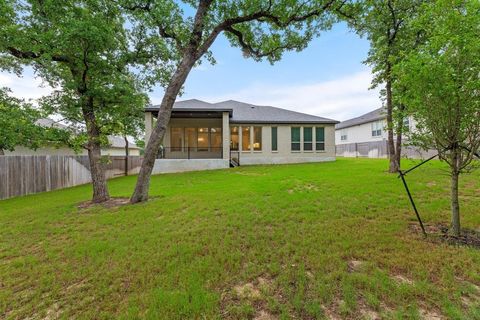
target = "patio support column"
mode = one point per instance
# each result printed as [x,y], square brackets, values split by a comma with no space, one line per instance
[226,135]
[148,126]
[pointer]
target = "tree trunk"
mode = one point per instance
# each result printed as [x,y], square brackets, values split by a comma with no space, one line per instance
[394,164]
[178,79]
[399,138]
[126,155]
[455,205]
[97,170]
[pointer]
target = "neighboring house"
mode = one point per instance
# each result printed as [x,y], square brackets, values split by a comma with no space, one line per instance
[116,147]
[366,136]
[204,135]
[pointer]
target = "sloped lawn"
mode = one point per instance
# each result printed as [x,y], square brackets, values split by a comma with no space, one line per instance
[327,240]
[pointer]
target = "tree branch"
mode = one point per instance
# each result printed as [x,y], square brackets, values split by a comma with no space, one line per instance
[32,55]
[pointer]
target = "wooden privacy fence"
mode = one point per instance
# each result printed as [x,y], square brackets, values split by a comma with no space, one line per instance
[21,175]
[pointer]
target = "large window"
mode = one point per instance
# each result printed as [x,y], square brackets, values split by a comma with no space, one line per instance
[176,139]
[234,138]
[320,139]
[216,138]
[307,139]
[245,138]
[191,138]
[295,138]
[343,135]
[377,127]
[274,139]
[257,138]
[202,139]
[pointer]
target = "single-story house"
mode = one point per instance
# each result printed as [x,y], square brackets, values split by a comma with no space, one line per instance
[366,136]
[204,135]
[116,146]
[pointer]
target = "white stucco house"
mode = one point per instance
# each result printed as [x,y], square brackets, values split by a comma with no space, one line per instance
[366,136]
[204,135]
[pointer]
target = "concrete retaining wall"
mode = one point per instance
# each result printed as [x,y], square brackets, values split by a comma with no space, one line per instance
[182,165]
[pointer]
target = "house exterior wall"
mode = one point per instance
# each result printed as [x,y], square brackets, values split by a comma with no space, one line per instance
[360,133]
[361,143]
[183,165]
[266,155]
[284,154]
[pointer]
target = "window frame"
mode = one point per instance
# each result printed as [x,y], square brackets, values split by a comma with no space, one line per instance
[257,129]
[274,145]
[238,138]
[292,142]
[249,130]
[201,148]
[173,146]
[308,144]
[320,143]
[377,129]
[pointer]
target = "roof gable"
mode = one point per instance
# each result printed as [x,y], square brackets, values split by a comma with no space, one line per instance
[371,116]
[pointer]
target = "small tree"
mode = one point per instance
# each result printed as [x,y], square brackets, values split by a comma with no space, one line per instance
[385,24]
[19,126]
[443,81]
[262,29]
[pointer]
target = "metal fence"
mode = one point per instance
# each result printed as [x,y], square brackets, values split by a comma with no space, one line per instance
[22,175]
[378,149]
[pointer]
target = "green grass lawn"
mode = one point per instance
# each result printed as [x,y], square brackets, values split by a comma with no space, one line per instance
[326,240]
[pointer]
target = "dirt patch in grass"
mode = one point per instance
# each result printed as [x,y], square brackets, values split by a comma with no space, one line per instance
[247,291]
[430,315]
[264,315]
[367,313]
[402,279]
[303,187]
[255,294]
[112,203]
[355,265]
[441,233]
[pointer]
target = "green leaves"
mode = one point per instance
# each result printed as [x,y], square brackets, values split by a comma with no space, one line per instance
[21,125]
[88,51]
[443,78]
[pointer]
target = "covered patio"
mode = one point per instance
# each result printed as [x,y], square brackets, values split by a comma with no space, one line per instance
[194,140]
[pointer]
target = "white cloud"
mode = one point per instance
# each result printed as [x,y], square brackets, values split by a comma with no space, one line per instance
[339,99]
[26,87]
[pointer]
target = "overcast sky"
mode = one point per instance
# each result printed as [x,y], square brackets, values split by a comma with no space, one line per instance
[327,79]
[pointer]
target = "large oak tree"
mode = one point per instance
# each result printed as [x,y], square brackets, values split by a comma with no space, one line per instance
[86,50]
[260,28]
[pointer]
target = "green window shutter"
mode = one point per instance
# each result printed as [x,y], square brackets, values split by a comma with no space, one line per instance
[274,139]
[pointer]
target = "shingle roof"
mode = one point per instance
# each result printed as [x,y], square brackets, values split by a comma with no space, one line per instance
[374,115]
[248,113]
